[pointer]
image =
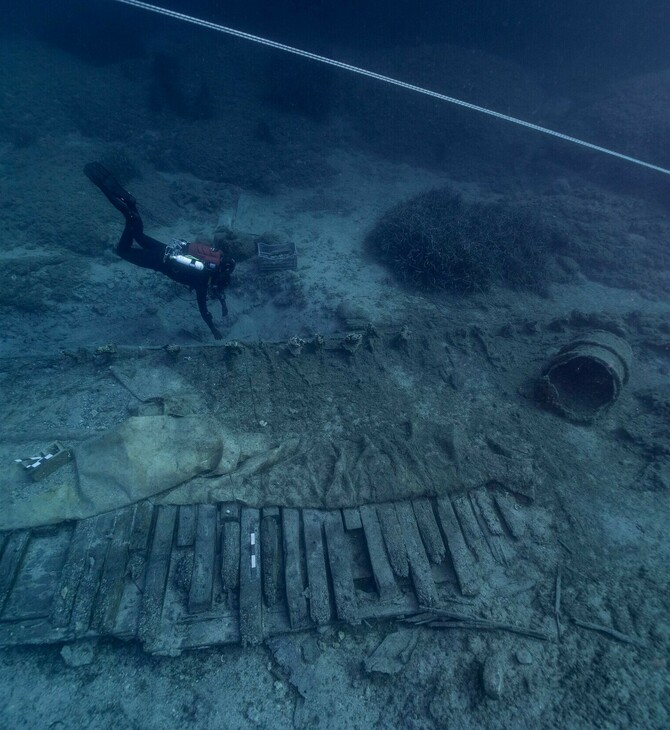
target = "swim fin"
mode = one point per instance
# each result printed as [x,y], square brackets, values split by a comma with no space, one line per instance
[118,196]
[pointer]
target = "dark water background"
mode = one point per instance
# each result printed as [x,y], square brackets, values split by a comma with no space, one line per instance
[571,43]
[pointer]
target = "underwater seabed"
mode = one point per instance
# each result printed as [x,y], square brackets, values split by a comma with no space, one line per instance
[357,510]
[394,491]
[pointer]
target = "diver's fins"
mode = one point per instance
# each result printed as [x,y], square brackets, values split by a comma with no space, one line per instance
[118,196]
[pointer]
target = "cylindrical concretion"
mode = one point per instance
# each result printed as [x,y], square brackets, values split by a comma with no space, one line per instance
[586,375]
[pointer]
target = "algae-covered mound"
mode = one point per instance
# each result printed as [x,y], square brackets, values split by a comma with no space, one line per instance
[439,241]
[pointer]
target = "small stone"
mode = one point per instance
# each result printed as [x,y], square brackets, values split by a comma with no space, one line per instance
[311,650]
[523,656]
[79,654]
[493,677]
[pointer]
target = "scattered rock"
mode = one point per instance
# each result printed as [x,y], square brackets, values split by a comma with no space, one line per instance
[523,656]
[493,677]
[79,654]
[393,653]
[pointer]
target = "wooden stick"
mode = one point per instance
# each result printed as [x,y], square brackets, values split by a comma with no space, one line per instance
[490,626]
[557,604]
[475,622]
[625,638]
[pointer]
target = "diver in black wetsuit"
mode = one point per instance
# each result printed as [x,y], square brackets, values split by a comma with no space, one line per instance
[160,257]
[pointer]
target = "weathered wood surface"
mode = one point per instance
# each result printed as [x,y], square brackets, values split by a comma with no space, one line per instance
[315,552]
[251,605]
[202,578]
[295,586]
[199,575]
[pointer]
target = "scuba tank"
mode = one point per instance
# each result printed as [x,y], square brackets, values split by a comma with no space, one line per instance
[189,261]
[176,251]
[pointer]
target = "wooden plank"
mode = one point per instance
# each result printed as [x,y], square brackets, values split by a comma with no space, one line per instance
[186,525]
[230,555]
[142,523]
[32,631]
[208,632]
[73,571]
[429,529]
[157,568]
[381,567]
[128,612]
[460,556]
[339,559]
[112,581]
[11,562]
[295,587]
[512,514]
[470,528]
[315,557]
[489,525]
[422,577]
[395,545]
[202,577]
[487,511]
[38,579]
[229,511]
[271,558]
[82,609]
[352,519]
[251,604]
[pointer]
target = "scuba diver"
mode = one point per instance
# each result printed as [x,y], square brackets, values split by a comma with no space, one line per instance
[197,265]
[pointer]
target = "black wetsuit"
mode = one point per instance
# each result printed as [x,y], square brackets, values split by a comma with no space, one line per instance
[152,255]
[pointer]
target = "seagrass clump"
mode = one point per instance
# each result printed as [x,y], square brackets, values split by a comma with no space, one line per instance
[437,240]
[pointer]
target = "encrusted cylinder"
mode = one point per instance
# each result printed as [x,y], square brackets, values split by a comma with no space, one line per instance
[586,375]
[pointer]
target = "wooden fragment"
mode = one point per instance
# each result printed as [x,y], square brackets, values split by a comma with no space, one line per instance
[295,587]
[339,559]
[209,632]
[10,562]
[82,609]
[142,523]
[186,525]
[270,557]
[202,577]
[487,525]
[127,614]
[487,511]
[462,560]
[317,576]
[470,528]
[251,604]
[618,635]
[157,568]
[73,570]
[422,578]
[430,532]
[38,577]
[395,545]
[512,514]
[229,511]
[113,575]
[32,631]
[381,567]
[352,519]
[230,555]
